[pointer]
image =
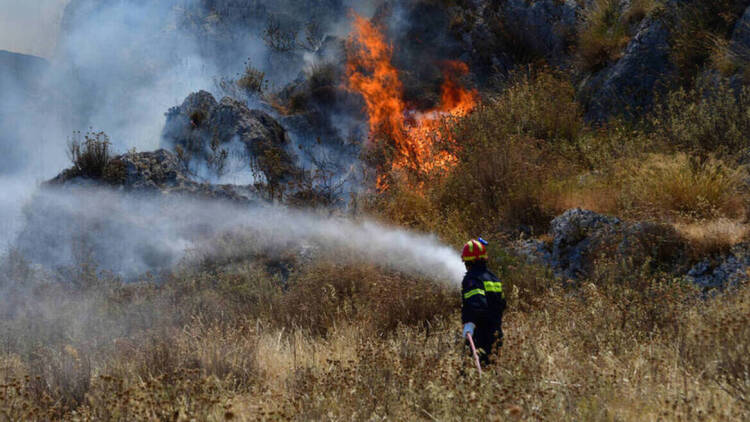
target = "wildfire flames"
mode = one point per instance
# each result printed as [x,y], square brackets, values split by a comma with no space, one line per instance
[414,133]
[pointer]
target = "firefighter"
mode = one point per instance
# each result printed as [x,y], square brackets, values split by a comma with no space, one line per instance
[483,301]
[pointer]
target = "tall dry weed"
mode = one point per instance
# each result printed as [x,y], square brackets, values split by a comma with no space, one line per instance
[686,185]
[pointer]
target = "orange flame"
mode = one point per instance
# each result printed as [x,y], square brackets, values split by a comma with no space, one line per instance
[413,132]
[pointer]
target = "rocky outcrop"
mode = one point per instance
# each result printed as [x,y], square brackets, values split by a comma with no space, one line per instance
[157,172]
[729,269]
[740,41]
[206,134]
[528,32]
[630,84]
[581,237]
[547,24]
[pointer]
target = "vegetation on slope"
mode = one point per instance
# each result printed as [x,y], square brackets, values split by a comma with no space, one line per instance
[230,336]
[354,342]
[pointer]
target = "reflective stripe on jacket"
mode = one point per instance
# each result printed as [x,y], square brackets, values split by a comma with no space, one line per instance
[483,298]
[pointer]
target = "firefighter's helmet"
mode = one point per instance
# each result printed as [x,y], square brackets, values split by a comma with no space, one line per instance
[474,250]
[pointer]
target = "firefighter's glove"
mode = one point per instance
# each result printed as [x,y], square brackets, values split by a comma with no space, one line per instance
[469,329]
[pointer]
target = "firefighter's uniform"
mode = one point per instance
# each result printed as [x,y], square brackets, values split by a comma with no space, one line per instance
[483,301]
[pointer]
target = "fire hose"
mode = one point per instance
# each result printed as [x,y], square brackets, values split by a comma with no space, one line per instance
[474,352]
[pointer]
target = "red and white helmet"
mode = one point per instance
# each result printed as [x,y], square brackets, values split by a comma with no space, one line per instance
[473,250]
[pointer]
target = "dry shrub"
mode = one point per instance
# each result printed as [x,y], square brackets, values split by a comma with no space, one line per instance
[626,344]
[240,290]
[695,26]
[541,105]
[643,302]
[90,156]
[229,354]
[711,118]
[525,285]
[20,401]
[322,79]
[729,58]
[603,34]
[687,186]
[639,9]
[63,374]
[714,236]
[328,292]
[225,351]
[500,183]
[157,356]
[717,343]
[585,191]
[404,205]
[115,172]
[252,81]
[185,396]
[510,148]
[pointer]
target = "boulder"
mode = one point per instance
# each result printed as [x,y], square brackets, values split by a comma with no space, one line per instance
[630,84]
[728,269]
[581,237]
[576,236]
[206,134]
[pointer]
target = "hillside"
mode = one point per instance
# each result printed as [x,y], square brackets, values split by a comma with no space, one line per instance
[264,204]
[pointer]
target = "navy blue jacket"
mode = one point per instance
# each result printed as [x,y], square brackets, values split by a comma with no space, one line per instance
[483,298]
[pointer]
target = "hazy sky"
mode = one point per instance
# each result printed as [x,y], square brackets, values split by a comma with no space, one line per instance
[30,26]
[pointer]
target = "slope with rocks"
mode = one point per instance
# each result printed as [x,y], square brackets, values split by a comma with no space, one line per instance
[211,135]
[579,239]
[156,172]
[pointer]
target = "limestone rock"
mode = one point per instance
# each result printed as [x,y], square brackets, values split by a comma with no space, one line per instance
[630,84]
[206,134]
[581,237]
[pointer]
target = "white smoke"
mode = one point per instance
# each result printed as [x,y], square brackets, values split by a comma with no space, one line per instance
[117,67]
[132,234]
[30,27]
